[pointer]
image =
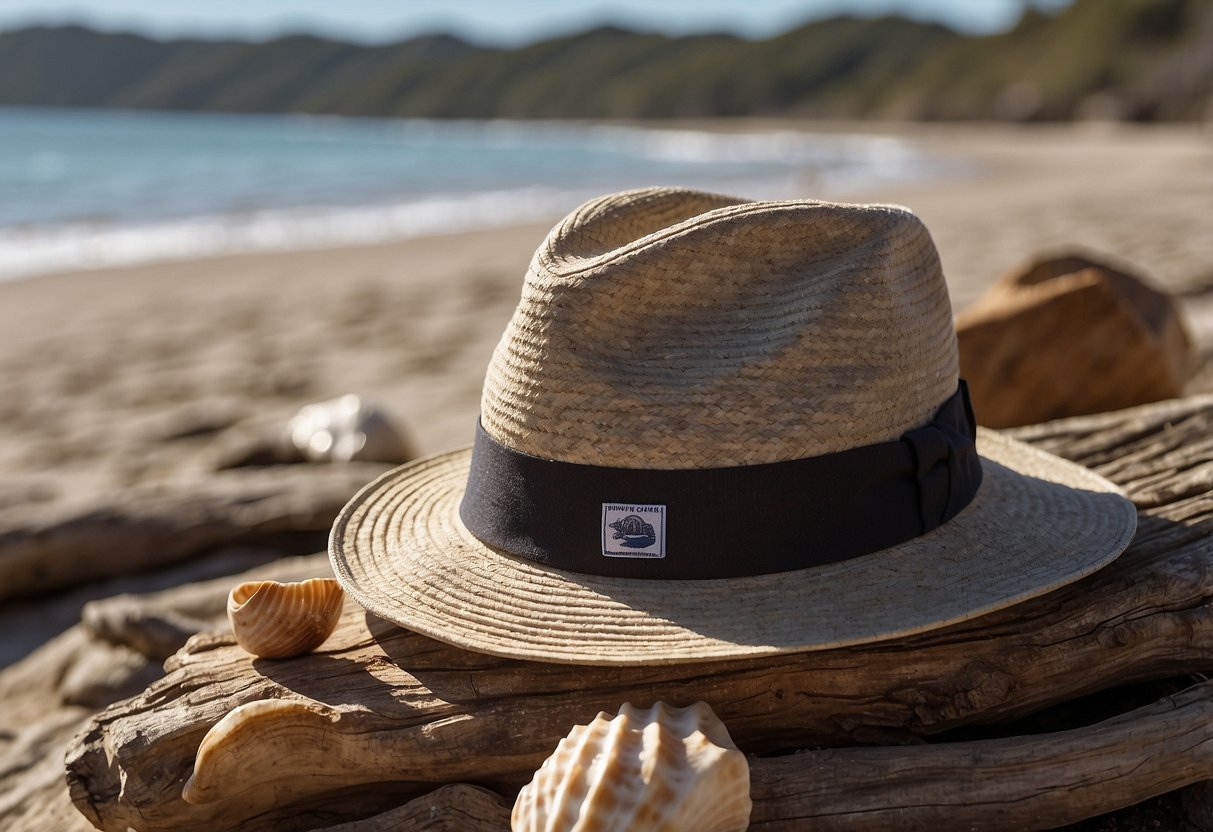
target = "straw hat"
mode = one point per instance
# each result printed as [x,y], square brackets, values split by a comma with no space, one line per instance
[719,429]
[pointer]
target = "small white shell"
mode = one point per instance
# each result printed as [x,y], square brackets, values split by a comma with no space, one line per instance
[276,621]
[344,429]
[658,770]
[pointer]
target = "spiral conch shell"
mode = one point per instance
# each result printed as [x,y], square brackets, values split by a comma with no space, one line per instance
[276,621]
[663,769]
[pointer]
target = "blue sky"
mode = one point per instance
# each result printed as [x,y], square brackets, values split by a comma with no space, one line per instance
[488,21]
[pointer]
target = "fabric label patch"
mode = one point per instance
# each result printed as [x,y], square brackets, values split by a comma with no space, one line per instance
[633,531]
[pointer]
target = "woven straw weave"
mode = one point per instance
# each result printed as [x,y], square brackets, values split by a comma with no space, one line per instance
[671,329]
[727,333]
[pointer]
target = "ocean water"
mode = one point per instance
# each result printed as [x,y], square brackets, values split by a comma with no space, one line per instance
[84,189]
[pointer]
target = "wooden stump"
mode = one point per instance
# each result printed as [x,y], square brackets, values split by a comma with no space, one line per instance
[380,714]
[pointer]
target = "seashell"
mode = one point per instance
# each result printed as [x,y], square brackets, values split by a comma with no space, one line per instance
[243,747]
[345,429]
[663,769]
[276,621]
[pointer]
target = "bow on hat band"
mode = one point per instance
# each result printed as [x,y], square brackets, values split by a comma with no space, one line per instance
[724,522]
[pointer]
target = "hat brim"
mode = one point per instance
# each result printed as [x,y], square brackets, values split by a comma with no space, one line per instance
[1037,523]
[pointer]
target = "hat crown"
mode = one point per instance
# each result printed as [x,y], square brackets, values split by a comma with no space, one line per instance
[667,328]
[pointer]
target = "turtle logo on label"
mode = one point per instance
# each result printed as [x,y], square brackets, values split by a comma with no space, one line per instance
[633,531]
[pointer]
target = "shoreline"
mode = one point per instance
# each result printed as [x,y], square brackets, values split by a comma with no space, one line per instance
[324,194]
[988,155]
[98,367]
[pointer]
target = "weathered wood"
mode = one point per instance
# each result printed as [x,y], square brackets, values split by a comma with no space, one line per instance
[1034,782]
[159,624]
[51,546]
[50,694]
[452,716]
[32,795]
[455,808]
[105,673]
[30,622]
[152,633]
[35,728]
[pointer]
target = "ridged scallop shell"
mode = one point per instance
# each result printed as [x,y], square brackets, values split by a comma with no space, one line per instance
[663,769]
[278,620]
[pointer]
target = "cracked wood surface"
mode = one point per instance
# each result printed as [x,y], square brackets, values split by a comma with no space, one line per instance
[441,715]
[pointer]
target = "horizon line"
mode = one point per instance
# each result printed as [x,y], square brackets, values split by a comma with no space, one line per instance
[304,28]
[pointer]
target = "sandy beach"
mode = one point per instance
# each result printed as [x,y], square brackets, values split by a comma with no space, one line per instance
[134,376]
[122,376]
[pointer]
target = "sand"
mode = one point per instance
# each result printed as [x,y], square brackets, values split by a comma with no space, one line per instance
[122,376]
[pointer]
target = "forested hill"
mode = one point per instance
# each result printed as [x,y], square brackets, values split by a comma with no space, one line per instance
[1138,59]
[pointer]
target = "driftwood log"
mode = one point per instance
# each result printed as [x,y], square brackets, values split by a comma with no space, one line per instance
[457,808]
[380,714]
[29,623]
[50,694]
[52,546]
[1034,782]
[158,624]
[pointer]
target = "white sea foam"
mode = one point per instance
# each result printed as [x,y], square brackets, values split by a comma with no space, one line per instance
[44,249]
[94,190]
